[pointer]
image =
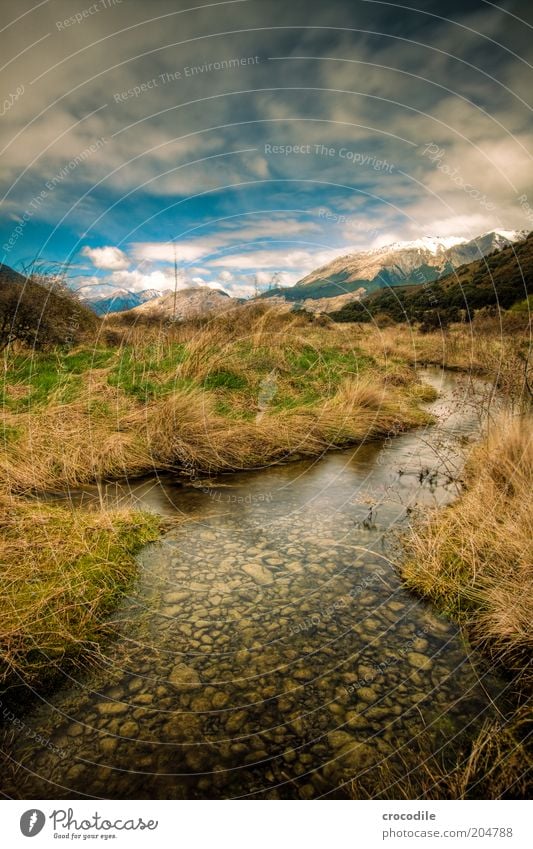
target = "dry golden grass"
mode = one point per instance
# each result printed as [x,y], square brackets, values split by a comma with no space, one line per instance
[199,410]
[474,559]
[498,352]
[63,570]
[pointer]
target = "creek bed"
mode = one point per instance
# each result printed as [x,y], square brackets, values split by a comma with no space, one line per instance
[269,649]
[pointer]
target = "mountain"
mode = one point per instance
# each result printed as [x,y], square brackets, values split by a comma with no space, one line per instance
[121,300]
[9,275]
[398,264]
[194,302]
[502,279]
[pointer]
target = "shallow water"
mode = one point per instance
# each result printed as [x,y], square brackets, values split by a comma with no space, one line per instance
[269,649]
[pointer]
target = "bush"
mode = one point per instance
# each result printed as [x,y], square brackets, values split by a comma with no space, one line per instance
[41,317]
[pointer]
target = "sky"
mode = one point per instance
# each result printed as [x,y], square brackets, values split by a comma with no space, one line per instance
[255,140]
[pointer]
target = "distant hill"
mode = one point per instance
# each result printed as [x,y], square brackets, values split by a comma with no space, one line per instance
[502,279]
[121,300]
[9,275]
[398,264]
[193,302]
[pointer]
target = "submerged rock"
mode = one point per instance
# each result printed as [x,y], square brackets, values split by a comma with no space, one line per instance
[418,661]
[260,574]
[184,677]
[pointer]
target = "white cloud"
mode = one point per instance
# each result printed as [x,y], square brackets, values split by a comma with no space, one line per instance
[276,259]
[164,251]
[108,258]
[137,281]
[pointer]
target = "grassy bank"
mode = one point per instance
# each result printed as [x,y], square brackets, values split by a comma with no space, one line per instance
[495,347]
[496,764]
[474,559]
[63,571]
[240,392]
[236,393]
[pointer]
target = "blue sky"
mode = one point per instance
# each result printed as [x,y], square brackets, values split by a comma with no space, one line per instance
[261,138]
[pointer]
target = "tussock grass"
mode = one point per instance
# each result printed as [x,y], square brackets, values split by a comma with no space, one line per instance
[189,397]
[496,764]
[484,347]
[474,559]
[63,571]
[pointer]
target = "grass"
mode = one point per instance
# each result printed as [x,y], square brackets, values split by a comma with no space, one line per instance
[496,764]
[474,559]
[190,397]
[63,571]
[489,346]
[234,394]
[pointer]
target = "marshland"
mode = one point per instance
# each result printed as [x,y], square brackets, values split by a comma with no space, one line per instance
[267,554]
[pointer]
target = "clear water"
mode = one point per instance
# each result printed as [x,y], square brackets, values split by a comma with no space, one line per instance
[269,649]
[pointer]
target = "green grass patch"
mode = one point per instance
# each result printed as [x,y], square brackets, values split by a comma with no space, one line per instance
[224,380]
[63,572]
[151,375]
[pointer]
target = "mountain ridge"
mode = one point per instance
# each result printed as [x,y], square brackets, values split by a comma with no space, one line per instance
[397,264]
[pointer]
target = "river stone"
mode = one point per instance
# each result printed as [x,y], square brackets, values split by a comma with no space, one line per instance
[184,677]
[220,699]
[75,772]
[143,699]
[176,597]
[129,729]
[196,759]
[367,694]
[236,722]
[340,739]
[355,758]
[307,791]
[355,720]
[111,708]
[182,726]
[418,661]
[260,574]
[108,745]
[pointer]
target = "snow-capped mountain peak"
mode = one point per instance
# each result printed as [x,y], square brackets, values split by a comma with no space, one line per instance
[402,263]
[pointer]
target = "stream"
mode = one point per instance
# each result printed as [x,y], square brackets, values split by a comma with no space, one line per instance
[268,649]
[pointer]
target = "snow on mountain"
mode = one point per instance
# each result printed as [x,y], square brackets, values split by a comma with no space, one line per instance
[400,263]
[120,300]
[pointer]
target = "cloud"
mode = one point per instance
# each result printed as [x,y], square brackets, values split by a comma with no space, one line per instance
[275,259]
[369,78]
[185,252]
[108,258]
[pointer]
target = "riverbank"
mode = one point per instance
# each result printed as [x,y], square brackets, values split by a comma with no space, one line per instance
[63,571]
[227,396]
[473,560]
[197,400]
